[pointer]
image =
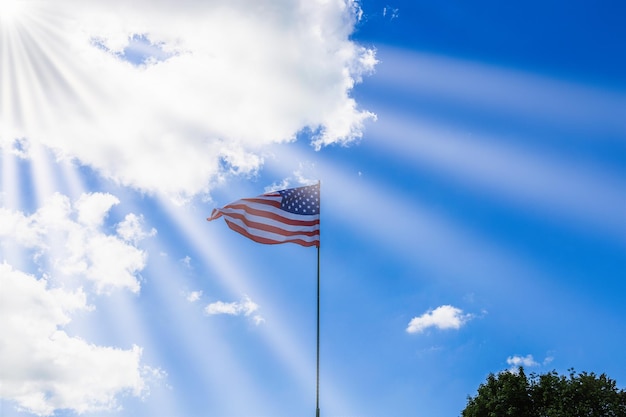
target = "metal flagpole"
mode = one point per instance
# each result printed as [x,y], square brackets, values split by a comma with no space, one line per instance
[317,396]
[317,387]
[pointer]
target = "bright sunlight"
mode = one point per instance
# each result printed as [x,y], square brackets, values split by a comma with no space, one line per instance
[11,10]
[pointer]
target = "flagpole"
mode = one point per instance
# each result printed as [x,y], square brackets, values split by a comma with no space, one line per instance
[317,387]
[317,396]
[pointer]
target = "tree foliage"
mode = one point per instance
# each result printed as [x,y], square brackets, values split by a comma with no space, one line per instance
[514,394]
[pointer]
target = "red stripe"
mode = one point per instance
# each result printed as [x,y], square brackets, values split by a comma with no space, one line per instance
[272,215]
[215,214]
[267,241]
[274,203]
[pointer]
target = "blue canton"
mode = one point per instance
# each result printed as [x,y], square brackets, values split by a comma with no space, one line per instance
[302,200]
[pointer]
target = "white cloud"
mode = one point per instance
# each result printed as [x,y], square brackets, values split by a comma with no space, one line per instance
[42,368]
[244,307]
[236,308]
[278,186]
[186,261]
[392,12]
[194,296]
[298,179]
[226,79]
[516,361]
[131,230]
[15,228]
[70,242]
[258,320]
[525,361]
[93,208]
[443,317]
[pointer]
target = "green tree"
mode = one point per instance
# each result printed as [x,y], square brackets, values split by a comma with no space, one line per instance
[514,394]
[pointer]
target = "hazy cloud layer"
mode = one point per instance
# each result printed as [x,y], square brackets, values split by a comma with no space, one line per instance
[141,90]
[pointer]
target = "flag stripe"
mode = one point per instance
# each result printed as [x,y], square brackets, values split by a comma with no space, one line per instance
[273,201]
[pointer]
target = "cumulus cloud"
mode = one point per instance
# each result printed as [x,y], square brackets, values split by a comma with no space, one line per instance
[91,209]
[42,368]
[131,228]
[138,90]
[236,308]
[245,307]
[443,317]
[69,241]
[516,361]
[527,361]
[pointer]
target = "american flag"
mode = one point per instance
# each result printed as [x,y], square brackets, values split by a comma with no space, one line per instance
[291,215]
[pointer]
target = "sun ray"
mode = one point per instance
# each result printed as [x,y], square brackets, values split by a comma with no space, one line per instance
[531,180]
[75,184]
[38,78]
[9,106]
[218,370]
[506,92]
[10,197]
[438,234]
[215,365]
[20,80]
[49,50]
[45,179]
[119,318]
[232,276]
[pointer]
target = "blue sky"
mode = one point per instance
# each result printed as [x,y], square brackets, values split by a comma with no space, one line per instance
[472,159]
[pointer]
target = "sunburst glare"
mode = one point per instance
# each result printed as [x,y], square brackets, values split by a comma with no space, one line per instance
[11,11]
